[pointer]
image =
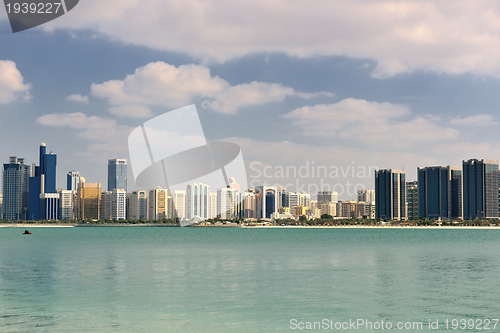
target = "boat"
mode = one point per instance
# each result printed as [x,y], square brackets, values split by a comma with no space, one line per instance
[27,232]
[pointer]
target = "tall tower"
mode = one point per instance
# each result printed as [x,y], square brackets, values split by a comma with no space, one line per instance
[43,180]
[390,194]
[117,174]
[440,192]
[15,189]
[197,202]
[480,189]
[72,180]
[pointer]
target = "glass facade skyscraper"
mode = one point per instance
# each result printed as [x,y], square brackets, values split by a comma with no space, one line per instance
[42,181]
[440,192]
[480,192]
[117,174]
[15,189]
[72,180]
[390,194]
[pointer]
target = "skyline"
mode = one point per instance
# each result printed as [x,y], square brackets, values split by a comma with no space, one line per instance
[325,89]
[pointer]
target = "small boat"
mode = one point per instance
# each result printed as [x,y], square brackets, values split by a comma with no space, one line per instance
[26,232]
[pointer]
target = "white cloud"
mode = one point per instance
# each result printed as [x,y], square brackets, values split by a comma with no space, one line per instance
[453,36]
[106,136]
[368,122]
[12,86]
[478,120]
[78,98]
[160,83]
[255,93]
[76,120]
[132,111]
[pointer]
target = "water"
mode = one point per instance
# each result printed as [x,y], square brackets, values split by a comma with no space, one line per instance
[243,279]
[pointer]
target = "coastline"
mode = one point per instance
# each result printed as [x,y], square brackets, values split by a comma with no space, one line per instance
[71,225]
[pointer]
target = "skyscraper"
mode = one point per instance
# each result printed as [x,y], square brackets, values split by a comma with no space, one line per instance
[158,204]
[117,174]
[15,189]
[139,207]
[226,203]
[178,204]
[440,192]
[43,180]
[89,200]
[390,194]
[267,201]
[366,195]
[197,201]
[480,189]
[72,180]
[327,196]
[412,200]
[66,205]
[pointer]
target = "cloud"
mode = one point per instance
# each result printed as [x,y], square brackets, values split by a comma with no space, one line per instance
[106,136]
[453,36]
[12,86]
[132,111]
[369,123]
[163,84]
[478,120]
[78,98]
[159,83]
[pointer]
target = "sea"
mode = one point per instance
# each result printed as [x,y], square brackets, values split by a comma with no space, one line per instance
[165,279]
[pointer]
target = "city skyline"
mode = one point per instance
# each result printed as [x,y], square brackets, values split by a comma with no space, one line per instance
[80,84]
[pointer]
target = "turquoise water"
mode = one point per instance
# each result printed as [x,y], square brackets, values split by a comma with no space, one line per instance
[243,279]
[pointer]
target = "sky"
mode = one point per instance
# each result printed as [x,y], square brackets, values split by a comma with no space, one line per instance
[339,88]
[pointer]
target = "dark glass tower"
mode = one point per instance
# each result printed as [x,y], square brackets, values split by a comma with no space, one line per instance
[15,189]
[42,181]
[439,192]
[390,194]
[117,174]
[480,178]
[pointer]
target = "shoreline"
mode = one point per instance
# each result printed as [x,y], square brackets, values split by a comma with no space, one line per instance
[54,225]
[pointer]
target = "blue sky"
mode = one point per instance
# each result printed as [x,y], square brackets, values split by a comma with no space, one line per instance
[347,84]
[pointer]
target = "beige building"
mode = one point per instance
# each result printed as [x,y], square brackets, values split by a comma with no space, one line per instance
[158,204]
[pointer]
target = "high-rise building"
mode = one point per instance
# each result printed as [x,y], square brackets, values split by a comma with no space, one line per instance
[89,200]
[138,205]
[480,189]
[212,205]
[412,200]
[43,180]
[249,202]
[390,194]
[72,180]
[440,192]
[49,206]
[1,203]
[113,204]
[304,199]
[267,201]
[292,200]
[158,204]
[327,196]
[226,203]
[15,189]
[329,208]
[197,200]
[178,204]
[117,174]
[66,204]
[366,195]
